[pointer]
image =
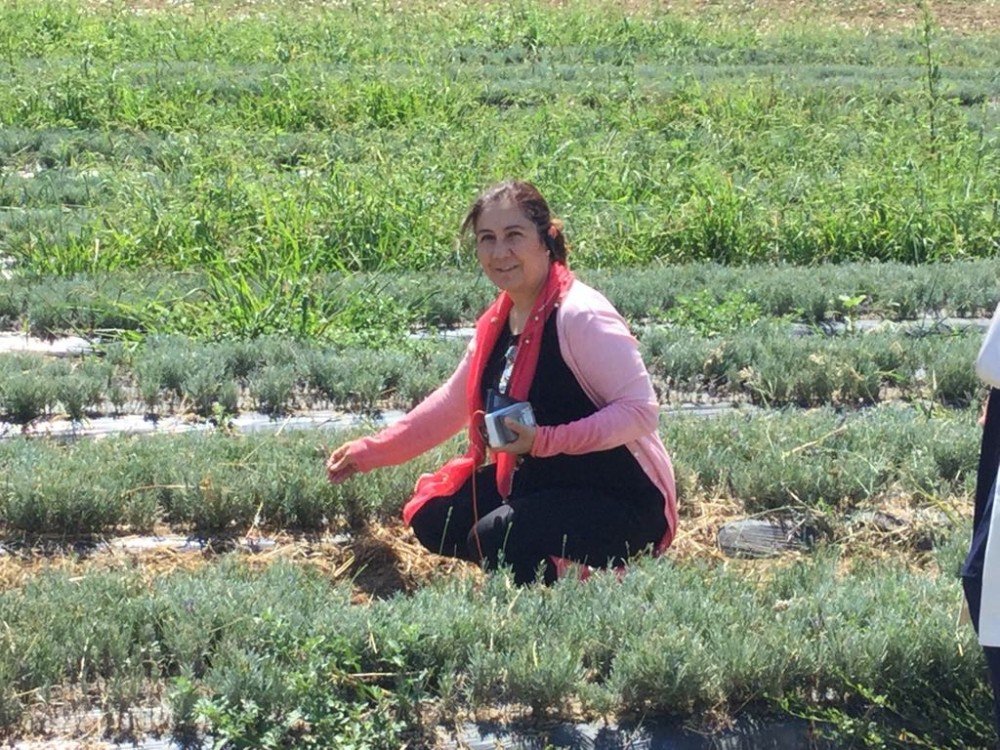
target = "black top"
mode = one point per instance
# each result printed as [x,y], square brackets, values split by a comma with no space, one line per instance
[557,398]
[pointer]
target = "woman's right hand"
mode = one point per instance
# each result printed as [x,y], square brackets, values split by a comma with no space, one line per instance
[341,465]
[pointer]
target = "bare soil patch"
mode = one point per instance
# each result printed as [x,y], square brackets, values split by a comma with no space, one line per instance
[957,16]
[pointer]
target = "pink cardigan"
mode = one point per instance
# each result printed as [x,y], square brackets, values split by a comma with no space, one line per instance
[602,354]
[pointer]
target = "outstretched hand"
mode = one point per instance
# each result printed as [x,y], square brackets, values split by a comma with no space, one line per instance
[525,437]
[341,465]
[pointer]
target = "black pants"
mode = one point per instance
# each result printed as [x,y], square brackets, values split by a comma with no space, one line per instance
[583,524]
[972,569]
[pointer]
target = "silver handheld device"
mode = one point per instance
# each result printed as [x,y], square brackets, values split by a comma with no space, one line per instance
[497,432]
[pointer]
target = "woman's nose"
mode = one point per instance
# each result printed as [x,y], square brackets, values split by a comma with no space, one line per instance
[500,248]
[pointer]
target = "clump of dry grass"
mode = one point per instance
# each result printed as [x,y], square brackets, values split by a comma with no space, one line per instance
[379,560]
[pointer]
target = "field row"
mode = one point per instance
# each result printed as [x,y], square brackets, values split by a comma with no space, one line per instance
[738,174]
[433,34]
[817,460]
[281,658]
[767,366]
[705,297]
[150,95]
[761,364]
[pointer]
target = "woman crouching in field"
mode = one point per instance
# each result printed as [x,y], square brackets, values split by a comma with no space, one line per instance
[582,475]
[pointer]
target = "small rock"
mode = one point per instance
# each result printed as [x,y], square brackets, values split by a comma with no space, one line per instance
[71,346]
[765,537]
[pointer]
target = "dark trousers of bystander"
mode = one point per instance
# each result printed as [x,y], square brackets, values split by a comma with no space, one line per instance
[972,569]
[973,587]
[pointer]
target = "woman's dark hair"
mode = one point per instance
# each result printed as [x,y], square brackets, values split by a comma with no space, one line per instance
[527,198]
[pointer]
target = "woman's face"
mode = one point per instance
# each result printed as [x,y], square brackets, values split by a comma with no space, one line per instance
[510,251]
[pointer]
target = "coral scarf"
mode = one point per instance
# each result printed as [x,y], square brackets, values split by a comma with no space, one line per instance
[449,478]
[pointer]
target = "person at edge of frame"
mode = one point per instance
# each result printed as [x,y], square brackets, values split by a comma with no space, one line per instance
[592,483]
[972,568]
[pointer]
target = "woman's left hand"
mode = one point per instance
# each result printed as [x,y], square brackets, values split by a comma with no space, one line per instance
[525,437]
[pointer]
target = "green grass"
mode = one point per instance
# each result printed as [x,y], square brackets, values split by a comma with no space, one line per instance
[725,187]
[353,139]
[816,462]
[765,364]
[248,652]
[425,33]
[760,362]
[382,307]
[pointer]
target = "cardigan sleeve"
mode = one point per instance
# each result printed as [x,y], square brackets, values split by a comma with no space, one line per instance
[604,357]
[435,419]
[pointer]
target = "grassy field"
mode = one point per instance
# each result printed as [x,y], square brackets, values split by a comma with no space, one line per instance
[331,139]
[254,205]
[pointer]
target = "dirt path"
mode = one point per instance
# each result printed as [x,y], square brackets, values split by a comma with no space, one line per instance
[958,16]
